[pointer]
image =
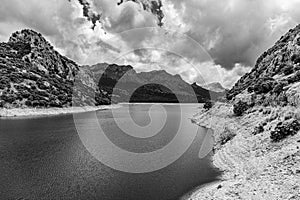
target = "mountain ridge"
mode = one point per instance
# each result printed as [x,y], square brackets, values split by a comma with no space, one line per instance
[34,74]
[121,81]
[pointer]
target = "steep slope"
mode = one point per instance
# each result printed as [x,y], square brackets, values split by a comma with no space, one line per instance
[275,78]
[257,140]
[33,74]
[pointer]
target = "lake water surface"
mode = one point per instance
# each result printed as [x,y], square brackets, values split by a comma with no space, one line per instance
[45,158]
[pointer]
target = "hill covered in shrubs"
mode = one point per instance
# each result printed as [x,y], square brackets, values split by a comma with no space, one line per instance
[275,79]
[33,74]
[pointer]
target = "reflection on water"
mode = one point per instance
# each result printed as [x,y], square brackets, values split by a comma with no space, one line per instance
[44,158]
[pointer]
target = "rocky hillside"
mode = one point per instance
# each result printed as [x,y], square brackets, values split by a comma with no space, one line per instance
[257,140]
[275,78]
[33,74]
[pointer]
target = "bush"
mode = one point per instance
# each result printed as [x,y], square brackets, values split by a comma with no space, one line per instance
[28,103]
[298,41]
[263,87]
[278,88]
[287,70]
[297,68]
[284,130]
[208,105]
[295,58]
[294,78]
[250,89]
[240,107]
[259,129]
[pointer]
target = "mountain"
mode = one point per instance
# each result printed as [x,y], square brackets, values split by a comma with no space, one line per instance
[34,74]
[124,84]
[216,87]
[275,78]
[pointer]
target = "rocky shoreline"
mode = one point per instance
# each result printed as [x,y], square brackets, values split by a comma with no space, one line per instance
[38,112]
[254,166]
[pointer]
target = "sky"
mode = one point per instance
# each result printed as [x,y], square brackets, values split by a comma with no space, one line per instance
[202,40]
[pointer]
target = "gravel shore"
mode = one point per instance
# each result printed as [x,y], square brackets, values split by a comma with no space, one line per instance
[37,112]
[254,167]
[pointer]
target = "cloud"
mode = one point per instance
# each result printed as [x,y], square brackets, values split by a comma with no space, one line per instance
[232,33]
[89,13]
[93,10]
[153,6]
[236,31]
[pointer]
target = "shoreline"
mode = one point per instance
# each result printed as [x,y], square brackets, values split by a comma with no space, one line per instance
[14,113]
[7,113]
[253,167]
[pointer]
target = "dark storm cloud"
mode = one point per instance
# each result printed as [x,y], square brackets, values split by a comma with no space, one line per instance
[89,13]
[153,6]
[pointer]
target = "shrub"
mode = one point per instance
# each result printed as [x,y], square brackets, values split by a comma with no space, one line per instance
[287,70]
[226,136]
[240,107]
[278,88]
[263,86]
[295,58]
[298,41]
[284,130]
[35,103]
[28,103]
[208,105]
[294,78]
[297,68]
[250,89]
[259,129]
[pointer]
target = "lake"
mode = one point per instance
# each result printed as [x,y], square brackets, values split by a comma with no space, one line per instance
[51,158]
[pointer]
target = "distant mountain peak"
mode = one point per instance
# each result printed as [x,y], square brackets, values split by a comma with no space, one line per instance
[215,86]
